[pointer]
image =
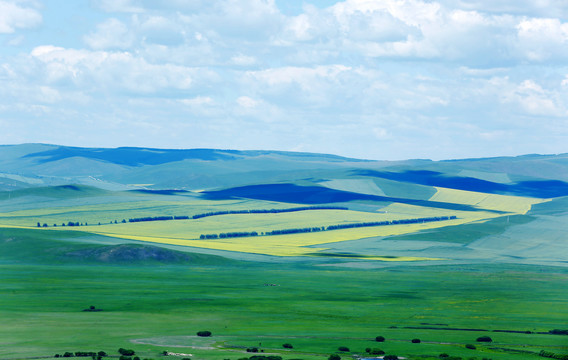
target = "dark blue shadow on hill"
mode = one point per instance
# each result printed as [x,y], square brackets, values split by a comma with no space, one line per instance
[291,193]
[539,189]
[132,156]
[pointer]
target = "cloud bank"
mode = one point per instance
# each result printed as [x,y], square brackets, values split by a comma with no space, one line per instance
[386,79]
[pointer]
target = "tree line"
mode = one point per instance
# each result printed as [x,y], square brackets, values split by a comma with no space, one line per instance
[328,228]
[199,216]
[267,211]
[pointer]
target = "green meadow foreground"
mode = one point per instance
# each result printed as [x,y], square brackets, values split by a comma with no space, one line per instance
[280,255]
[151,307]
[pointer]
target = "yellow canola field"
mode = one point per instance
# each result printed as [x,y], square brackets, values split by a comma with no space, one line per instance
[288,245]
[505,203]
[186,233]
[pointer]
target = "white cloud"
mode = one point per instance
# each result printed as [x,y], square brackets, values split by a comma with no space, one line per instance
[243,60]
[14,16]
[542,39]
[426,78]
[162,30]
[247,102]
[115,71]
[128,6]
[535,100]
[198,101]
[111,34]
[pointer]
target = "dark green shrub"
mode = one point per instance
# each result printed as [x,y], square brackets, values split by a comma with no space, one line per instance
[470,346]
[367,350]
[377,352]
[287,346]
[334,357]
[415,341]
[390,357]
[126,352]
[136,358]
[343,348]
[204,333]
[252,349]
[443,355]
[484,339]
[68,354]
[102,353]
[380,339]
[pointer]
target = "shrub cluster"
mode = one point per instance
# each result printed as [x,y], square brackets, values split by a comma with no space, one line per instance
[484,339]
[558,332]
[126,352]
[262,357]
[205,333]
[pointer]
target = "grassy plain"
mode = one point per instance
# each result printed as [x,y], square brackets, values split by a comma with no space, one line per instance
[151,308]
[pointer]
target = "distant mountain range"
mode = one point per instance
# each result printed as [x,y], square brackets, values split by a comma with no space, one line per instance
[33,165]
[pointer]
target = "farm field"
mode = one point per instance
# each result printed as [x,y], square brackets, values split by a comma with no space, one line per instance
[107,218]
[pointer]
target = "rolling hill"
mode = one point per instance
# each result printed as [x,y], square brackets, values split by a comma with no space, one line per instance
[509,209]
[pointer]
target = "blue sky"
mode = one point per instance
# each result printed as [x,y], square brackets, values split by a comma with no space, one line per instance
[375,79]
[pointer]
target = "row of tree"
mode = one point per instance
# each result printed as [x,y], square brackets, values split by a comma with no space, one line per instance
[199,216]
[76,223]
[158,218]
[267,211]
[328,228]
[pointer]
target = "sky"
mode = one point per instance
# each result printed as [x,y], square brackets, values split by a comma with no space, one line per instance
[371,79]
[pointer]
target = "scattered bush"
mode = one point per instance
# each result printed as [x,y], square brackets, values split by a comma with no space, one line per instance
[377,352]
[287,346]
[343,348]
[380,339]
[68,354]
[484,339]
[390,357]
[443,355]
[263,357]
[470,346]
[204,333]
[252,349]
[367,350]
[126,352]
[102,353]
[415,341]
[334,357]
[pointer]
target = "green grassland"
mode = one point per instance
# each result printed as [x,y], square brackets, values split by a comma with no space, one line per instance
[151,306]
[498,269]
